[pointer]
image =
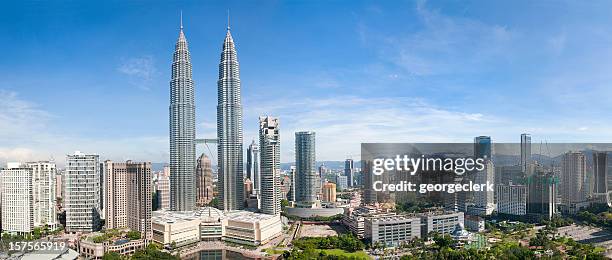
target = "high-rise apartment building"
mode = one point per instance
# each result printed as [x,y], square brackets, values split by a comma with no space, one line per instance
[349,171]
[139,192]
[307,181]
[182,129]
[269,144]
[82,191]
[204,180]
[229,128]
[17,199]
[572,186]
[525,153]
[43,186]
[116,193]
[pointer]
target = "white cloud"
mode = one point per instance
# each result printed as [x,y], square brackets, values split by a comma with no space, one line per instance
[140,69]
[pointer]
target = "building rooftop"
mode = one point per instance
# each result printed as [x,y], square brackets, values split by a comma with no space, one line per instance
[247,216]
[208,214]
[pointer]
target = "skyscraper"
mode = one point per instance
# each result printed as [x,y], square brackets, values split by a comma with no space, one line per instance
[541,194]
[82,190]
[572,184]
[17,198]
[482,147]
[253,168]
[307,180]
[204,180]
[182,129]
[484,199]
[163,188]
[229,128]
[115,175]
[292,176]
[349,171]
[525,153]
[269,143]
[43,185]
[600,172]
[139,191]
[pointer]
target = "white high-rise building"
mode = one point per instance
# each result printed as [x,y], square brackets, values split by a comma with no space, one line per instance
[17,199]
[485,199]
[82,191]
[269,143]
[43,186]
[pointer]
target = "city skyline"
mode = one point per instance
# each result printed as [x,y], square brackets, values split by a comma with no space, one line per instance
[40,111]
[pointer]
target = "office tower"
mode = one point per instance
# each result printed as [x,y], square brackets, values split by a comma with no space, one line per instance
[269,144]
[342,182]
[204,180]
[600,173]
[43,185]
[511,199]
[541,198]
[525,153]
[82,190]
[572,186]
[329,192]
[482,147]
[248,188]
[163,188]
[115,179]
[17,199]
[182,129]
[253,168]
[292,176]
[349,171]
[307,182]
[229,128]
[484,199]
[140,199]
[59,184]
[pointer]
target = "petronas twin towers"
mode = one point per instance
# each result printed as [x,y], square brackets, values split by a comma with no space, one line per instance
[182,129]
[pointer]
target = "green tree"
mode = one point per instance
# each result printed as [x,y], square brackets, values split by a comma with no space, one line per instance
[111,256]
[133,235]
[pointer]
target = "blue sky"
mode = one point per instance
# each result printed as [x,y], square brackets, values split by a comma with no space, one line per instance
[93,76]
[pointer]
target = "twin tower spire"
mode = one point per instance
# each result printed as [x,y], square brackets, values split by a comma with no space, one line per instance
[182,128]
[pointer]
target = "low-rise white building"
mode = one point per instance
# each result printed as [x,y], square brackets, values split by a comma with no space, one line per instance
[179,228]
[250,228]
[441,222]
[392,229]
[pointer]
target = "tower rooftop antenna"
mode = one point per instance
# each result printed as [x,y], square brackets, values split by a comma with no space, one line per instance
[228,19]
[181,19]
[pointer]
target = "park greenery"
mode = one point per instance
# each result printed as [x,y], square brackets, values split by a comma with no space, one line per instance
[150,252]
[317,218]
[344,246]
[111,234]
